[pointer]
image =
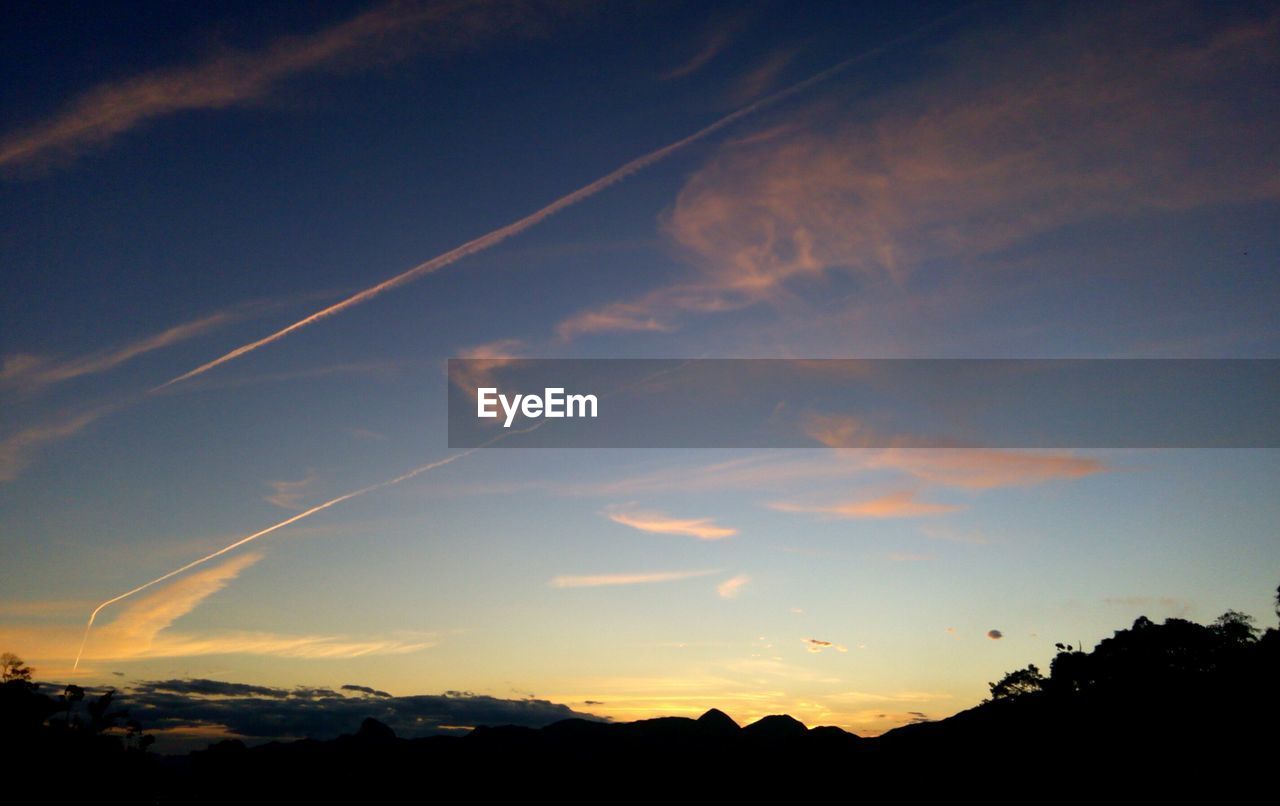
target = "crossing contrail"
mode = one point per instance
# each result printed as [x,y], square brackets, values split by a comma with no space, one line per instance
[501,234]
[471,247]
[286,522]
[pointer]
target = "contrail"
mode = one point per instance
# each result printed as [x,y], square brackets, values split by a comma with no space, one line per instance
[471,247]
[501,234]
[300,516]
[320,508]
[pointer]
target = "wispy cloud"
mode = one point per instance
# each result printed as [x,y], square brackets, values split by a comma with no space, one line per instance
[29,373]
[619,317]
[230,78]
[136,627]
[145,628]
[290,494]
[730,588]
[16,448]
[485,360]
[501,234]
[765,75]
[661,523]
[971,161]
[230,547]
[711,44]
[644,578]
[816,645]
[902,504]
[982,469]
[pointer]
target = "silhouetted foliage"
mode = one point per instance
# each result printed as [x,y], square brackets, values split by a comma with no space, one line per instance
[1018,683]
[1153,706]
[73,731]
[1236,627]
[13,669]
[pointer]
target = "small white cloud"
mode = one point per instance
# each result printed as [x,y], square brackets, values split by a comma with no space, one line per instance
[730,588]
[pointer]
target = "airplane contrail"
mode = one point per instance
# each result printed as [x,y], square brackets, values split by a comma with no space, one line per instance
[501,234]
[286,522]
[320,508]
[471,247]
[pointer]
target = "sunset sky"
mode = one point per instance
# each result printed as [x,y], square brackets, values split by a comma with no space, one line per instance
[992,180]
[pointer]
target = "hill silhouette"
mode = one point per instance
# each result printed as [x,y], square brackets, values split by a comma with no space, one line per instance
[1155,707]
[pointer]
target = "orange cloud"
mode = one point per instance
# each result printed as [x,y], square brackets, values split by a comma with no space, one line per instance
[484,362]
[604,580]
[236,77]
[982,469]
[1022,136]
[29,373]
[290,494]
[144,629]
[134,629]
[970,468]
[660,523]
[903,504]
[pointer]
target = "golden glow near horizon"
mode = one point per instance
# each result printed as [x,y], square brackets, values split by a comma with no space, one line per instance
[223,503]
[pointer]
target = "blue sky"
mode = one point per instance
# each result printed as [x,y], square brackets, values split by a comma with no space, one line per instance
[994,180]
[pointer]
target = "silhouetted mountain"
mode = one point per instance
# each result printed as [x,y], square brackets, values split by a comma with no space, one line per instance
[1151,708]
[371,730]
[776,728]
[717,722]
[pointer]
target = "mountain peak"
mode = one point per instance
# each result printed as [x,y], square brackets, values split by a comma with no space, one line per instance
[777,726]
[717,721]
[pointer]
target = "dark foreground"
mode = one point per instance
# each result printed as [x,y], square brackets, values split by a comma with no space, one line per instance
[1176,708]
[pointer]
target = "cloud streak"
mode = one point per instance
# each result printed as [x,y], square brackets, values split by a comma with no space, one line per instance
[661,523]
[142,629]
[497,236]
[233,78]
[16,448]
[274,527]
[902,504]
[1019,137]
[289,494]
[30,373]
[608,580]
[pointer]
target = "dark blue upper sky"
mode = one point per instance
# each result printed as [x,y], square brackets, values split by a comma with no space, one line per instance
[989,180]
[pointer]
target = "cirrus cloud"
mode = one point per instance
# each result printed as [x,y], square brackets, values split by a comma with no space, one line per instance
[661,523]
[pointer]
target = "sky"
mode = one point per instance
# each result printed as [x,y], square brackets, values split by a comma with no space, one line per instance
[203,206]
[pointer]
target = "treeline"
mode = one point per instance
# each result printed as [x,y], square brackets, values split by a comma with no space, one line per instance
[1154,708]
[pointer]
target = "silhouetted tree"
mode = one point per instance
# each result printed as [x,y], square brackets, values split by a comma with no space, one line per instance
[12,668]
[1018,683]
[1235,627]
